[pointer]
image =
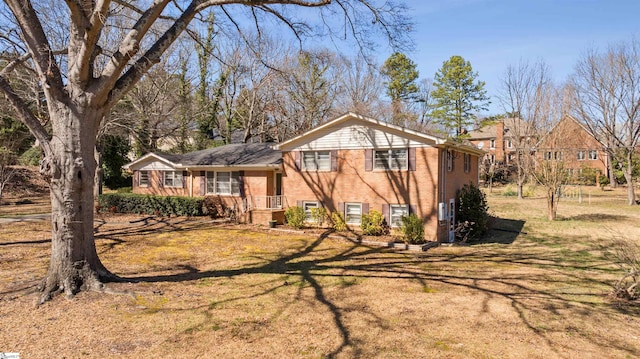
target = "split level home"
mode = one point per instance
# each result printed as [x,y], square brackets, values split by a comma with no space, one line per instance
[352,165]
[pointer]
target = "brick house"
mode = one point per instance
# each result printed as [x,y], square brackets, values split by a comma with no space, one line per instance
[500,139]
[569,141]
[352,164]
[242,177]
[355,164]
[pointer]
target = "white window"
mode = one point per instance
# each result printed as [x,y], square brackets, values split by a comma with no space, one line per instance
[509,144]
[307,209]
[391,159]
[396,212]
[581,155]
[548,155]
[353,213]
[143,180]
[172,179]
[467,162]
[557,155]
[593,155]
[224,183]
[492,144]
[316,160]
[493,158]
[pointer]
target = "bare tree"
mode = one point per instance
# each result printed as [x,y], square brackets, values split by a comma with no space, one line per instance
[607,99]
[90,69]
[359,86]
[549,168]
[524,91]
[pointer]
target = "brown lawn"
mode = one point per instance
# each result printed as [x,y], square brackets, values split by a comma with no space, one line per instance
[206,290]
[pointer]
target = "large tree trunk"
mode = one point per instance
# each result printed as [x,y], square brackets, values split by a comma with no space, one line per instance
[74,261]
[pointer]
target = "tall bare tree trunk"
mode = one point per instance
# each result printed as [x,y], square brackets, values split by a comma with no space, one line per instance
[74,261]
[628,175]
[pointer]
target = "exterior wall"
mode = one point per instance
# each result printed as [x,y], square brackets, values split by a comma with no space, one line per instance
[352,183]
[570,138]
[156,186]
[452,181]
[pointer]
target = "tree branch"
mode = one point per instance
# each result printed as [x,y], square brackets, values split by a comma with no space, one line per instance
[38,45]
[25,115]
[131,45]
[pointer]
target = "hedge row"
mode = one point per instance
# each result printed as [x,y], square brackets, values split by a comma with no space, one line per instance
[152,205]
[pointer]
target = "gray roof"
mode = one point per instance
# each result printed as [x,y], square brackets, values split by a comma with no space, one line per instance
[238,154]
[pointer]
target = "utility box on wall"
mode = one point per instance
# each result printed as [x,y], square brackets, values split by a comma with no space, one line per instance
[442,212]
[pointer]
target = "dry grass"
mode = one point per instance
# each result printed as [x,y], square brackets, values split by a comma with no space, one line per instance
[209,291]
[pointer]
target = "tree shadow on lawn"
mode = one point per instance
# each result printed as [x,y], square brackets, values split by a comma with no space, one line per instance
[502,231]
[547,281]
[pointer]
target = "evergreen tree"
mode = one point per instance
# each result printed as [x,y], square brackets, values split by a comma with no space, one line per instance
[401,74]
[457,95]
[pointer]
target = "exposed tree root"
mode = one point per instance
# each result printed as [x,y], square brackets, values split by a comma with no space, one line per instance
[76,279]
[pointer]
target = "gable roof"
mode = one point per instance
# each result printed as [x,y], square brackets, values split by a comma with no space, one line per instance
[372,123]
[491,130]
[232,155]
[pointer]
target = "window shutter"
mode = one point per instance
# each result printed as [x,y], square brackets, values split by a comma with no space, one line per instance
[299,203]
[385,213]
[203,183]
[161,179]
[298,160]
[412,209]
[241,183]
[412,159]
[136,178]
[334,160]
[365,208]
[185,175]
[341,208]
[368,159]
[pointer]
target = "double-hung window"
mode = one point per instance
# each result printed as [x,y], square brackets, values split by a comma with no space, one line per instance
[467,162]
[580,156]
[143,179]
[307,206]
[593,154]
[396,212]
[172,179]
[353,213]
[394,159]
[224,183]
[316,161]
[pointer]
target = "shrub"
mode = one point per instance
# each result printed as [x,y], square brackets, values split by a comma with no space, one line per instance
[412,229]
[509,192]
[473,208]
[604,180]
[214,207]
[318,216]
[373,224]
[295,216]
[31,157]
[153,205]
[625,253]
[338,222]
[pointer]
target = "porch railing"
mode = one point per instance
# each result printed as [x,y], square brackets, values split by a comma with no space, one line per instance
[264,202]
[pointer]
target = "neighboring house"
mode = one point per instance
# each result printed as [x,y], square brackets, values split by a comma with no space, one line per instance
[244,177]
[500,139]
[571,142]
[355,164]
[352,164]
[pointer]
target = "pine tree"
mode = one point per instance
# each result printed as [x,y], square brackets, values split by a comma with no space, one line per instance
[401,75]
[457,95]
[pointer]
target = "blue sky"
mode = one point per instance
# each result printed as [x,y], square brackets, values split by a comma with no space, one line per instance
[493,34]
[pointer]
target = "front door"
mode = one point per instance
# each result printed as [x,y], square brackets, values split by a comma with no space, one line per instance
[278,191]
[452,220]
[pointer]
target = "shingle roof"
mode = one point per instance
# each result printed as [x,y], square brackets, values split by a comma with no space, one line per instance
[490,131]
[239,154]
